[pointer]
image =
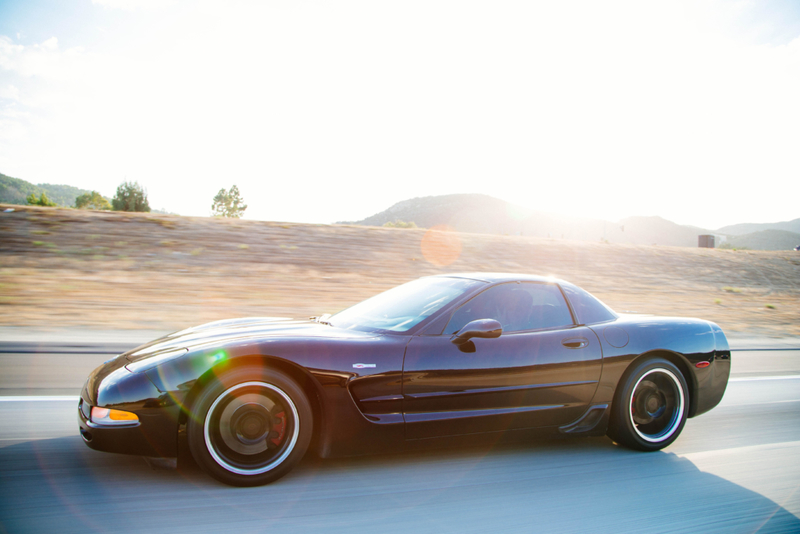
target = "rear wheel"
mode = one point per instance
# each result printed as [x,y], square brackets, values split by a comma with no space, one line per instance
[250,426]
[650,406]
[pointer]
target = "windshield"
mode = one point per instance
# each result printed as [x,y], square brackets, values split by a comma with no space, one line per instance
[403,307]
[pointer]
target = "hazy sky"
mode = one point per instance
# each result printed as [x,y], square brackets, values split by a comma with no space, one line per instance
[323,111]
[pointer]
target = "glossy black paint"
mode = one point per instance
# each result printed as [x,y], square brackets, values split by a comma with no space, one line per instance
[520,380]
[375,391]
[479,328]
[112,386]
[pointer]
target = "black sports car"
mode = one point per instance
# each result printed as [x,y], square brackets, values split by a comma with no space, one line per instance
[441,356]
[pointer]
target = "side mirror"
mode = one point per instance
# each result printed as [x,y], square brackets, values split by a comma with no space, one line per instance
[485,328]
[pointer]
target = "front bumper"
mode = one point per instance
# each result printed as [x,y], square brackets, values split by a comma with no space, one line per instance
[125,439]
[113,386]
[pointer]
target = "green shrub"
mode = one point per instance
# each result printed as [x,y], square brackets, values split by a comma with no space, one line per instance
[130,197]
[228,203]
[93,201]
[41,201]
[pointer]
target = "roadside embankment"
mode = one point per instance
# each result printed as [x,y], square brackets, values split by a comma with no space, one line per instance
[62,268]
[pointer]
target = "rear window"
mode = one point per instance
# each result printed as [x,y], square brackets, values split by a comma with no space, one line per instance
[589,310]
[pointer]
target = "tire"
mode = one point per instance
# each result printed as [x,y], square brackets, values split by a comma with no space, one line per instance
[650,406]
[250,426]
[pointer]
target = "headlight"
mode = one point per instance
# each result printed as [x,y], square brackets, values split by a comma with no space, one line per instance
[107,416]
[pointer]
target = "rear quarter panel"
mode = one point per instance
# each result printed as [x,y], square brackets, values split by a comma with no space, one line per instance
[684,341]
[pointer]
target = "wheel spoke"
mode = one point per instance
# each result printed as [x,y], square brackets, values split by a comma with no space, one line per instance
[657,405]
[251,428]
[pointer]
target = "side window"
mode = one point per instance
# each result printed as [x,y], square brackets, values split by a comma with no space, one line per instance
[588,309]
[518,307]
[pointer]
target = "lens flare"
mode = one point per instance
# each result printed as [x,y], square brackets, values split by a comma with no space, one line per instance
[441,245]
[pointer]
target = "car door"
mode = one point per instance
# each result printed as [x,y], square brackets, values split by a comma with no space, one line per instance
[542,371]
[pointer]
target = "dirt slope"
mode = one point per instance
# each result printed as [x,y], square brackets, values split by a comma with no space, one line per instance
[62,267]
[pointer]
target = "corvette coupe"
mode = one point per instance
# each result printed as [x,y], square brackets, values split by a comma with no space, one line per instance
[436,358]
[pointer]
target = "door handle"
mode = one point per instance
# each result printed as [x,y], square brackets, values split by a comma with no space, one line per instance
[575,343]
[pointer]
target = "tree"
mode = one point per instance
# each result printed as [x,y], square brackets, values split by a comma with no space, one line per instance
[41,201]
[92,201]
[228,203]
[130,197]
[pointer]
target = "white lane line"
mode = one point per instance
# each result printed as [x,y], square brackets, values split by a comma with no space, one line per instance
[35,439]
[759,378]
[758,403]
[32,398]
[746,448]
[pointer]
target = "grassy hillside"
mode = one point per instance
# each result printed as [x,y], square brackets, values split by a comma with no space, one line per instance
[64,195]
[64,268]
[16,191]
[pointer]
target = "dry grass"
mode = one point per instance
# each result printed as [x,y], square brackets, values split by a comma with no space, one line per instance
[116,270]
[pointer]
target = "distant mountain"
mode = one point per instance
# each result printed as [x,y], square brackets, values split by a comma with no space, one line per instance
[479,214]
[658,231]
[483,214]
[16,191]
[749,228]
[765,240]
[487,215]
[64,195]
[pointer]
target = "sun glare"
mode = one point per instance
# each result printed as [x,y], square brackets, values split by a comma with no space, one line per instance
[599,110]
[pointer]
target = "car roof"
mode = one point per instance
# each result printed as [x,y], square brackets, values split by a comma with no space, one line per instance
[494,278]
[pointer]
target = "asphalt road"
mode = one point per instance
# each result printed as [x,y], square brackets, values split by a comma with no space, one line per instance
[734,469]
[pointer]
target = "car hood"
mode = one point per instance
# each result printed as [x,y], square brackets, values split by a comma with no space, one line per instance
[233,330]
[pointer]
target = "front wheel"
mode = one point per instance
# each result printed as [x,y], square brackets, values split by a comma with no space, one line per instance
[250,426]
[650,406]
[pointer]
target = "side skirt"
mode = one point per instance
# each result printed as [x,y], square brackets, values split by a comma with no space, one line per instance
[594,422]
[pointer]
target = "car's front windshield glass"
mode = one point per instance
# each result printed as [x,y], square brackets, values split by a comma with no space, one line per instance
[403,307]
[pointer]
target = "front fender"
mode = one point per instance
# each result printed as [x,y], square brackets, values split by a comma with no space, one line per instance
[351,378]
